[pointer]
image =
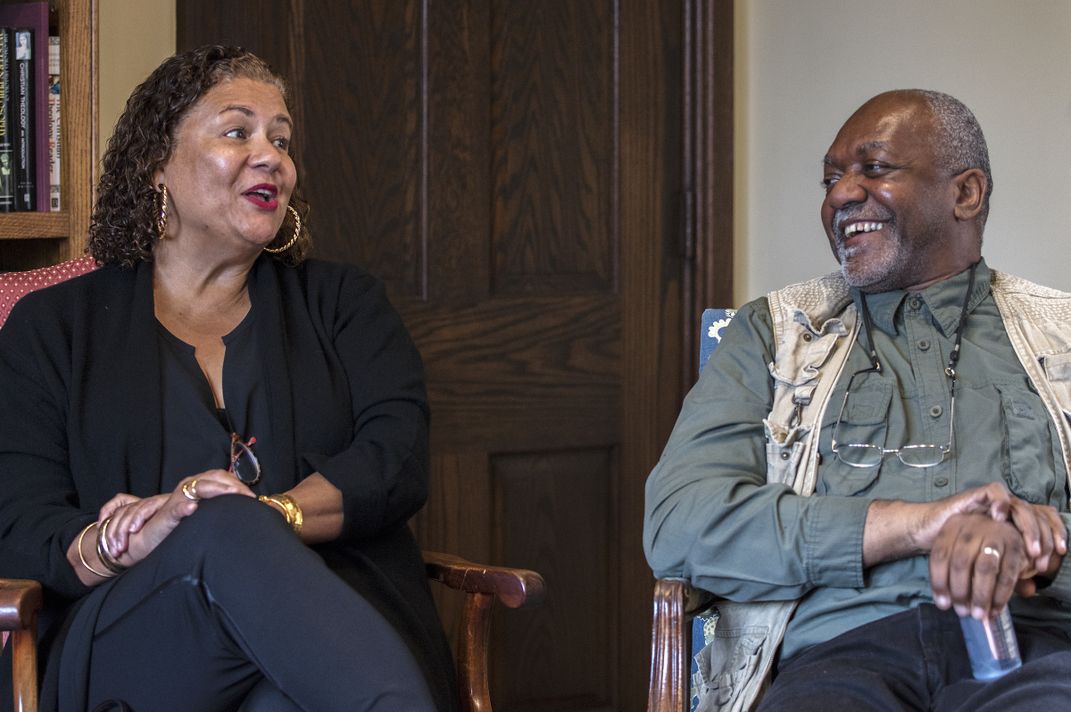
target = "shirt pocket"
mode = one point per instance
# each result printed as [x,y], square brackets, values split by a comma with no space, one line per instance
[865,421]
[1057,369]
[1027,446]
[728,665]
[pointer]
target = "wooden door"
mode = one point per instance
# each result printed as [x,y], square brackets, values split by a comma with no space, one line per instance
[513,169]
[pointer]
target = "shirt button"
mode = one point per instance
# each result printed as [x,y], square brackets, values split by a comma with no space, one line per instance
[915,303]
[785,454]
[924,344]
[940,481]
[936,411]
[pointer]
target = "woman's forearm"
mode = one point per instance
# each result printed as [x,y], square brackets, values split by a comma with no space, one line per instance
[320,505]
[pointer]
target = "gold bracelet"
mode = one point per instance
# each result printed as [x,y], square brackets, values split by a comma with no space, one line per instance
[290,508]
[82,557]
[105,556]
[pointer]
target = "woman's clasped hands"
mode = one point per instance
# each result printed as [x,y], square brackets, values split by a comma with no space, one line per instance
[137,525]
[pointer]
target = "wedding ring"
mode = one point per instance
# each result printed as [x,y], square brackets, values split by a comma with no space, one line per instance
[189,490]
[990,551]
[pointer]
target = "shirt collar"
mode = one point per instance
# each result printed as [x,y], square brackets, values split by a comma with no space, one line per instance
[944,301]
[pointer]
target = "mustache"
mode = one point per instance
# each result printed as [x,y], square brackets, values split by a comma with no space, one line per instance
[859,213]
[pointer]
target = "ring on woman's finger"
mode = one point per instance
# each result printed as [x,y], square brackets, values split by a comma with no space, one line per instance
[189,490]
[990,551]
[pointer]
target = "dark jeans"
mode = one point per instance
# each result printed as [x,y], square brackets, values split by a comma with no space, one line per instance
[233,610]
[916,660]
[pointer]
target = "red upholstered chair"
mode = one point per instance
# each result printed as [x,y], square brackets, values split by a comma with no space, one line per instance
[481,585]
[15,285]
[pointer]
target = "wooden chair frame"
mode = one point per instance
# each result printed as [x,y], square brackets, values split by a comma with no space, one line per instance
[676,603]
[482,586]
[20,600]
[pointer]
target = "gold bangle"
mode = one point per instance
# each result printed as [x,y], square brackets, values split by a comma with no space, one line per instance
[290,508]
[105,556]
[82,557]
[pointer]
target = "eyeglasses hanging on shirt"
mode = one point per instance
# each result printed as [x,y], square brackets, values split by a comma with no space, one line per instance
[244,464]
[243,461]
[920,455]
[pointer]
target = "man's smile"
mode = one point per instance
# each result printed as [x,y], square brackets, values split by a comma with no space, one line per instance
[857,227]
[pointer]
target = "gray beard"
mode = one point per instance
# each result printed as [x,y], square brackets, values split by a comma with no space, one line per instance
[895,267]
[892,268]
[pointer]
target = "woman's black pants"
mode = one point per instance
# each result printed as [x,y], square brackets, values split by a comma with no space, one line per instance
[233,612]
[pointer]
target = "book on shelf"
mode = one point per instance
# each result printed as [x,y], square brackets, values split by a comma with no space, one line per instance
[32,17]
[7,126]
[22,114]
[54,134]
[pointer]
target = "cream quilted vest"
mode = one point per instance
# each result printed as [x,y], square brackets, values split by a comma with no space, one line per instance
[815,326]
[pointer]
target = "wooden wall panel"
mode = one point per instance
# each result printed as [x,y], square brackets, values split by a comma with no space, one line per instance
[553,140]
[547,503]
[455,131]
[362,136]
[264,27]
[509,374]
[708,169]
[651,272]
[456,519]
[525,175]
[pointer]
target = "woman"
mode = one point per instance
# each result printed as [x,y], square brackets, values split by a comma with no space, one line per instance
[210,447]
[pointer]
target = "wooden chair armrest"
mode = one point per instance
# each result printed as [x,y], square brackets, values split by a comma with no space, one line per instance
[20,600]
[675,604]
[515,588]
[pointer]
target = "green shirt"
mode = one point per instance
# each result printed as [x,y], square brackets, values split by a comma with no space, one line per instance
[712,518]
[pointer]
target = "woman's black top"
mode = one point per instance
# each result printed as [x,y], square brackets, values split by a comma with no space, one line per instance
[196,432]
[335,386]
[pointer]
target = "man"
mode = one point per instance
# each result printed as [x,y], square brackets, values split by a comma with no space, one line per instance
[870,455]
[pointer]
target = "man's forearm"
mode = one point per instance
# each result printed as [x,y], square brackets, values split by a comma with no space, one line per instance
[896,529]
[891,531]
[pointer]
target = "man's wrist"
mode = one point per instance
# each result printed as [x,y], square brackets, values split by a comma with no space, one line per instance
[895,530]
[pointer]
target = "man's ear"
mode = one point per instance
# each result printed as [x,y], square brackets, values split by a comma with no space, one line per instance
[970,188]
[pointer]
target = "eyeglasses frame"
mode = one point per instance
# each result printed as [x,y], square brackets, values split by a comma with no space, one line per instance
[945,450]
[875,366]
[239,448]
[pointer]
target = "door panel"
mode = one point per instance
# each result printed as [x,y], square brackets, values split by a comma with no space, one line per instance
[513,170]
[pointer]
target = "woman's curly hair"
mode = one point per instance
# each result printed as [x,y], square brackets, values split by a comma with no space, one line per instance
[123,230]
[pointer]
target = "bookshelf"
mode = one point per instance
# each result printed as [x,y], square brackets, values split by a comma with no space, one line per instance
[34,239]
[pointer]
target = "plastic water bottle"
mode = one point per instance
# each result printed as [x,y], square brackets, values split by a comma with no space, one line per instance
[991,645]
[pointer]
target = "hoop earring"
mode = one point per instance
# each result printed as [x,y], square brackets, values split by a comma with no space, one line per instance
[293,238]
[161,218]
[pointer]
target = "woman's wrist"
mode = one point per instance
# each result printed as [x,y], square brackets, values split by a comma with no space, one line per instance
[286,505]
[110,561]
[79,543]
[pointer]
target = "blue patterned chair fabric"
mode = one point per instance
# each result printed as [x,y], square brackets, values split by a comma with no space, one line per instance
[712,326]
